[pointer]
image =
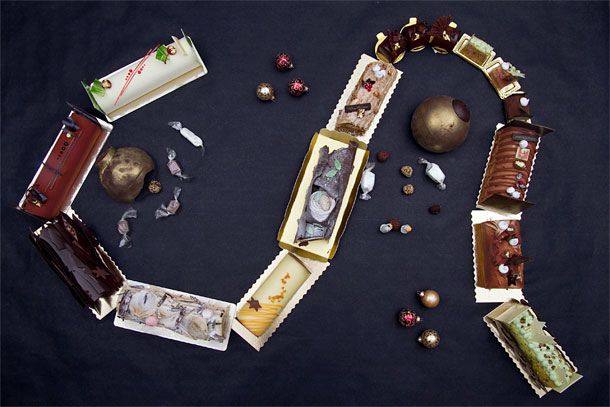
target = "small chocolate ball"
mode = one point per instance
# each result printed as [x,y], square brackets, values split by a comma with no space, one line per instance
[408,318]
[429,338]
[154,186]
[440,123]
[429,298]
[264,91]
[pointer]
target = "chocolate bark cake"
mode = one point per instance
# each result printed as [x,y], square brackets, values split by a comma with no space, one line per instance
[325,194]
[509,167]
[498,254]
[366,99]
[73,252]
[516,107]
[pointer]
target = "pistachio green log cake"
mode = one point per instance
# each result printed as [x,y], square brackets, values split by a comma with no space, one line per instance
[540,349]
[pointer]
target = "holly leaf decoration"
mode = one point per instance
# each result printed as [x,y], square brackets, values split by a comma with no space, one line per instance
[162,53]
[337,165]
[331,173]
[97,88]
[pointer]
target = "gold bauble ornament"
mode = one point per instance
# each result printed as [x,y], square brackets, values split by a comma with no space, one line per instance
[429,298]
[440,123]
[429,338]
[122,172]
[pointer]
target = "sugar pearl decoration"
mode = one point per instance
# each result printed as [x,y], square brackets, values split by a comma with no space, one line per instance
[516,194]
[503,225]
[429,298]
[386,227]
[503,268]
[505,66]
[510,190]
[523,143]
[513,242]
[524,101]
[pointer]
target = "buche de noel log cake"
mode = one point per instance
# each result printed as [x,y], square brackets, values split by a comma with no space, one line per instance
[509,167]
[366,99]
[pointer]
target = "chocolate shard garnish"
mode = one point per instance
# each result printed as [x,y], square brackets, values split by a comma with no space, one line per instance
[73,252]
[356,107]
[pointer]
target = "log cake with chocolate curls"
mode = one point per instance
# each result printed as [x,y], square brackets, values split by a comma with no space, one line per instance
[498,254]
[366,99]
[509,167]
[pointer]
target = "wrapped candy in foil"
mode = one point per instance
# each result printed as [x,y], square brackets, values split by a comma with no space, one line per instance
[171,208]
[123,226]
[367,183]
[189,135]
[434,172]
[173,165]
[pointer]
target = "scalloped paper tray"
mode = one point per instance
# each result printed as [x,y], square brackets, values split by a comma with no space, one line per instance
[315,268]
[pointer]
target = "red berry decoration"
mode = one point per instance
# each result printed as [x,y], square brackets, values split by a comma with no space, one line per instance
[435,209]
[297,87]
[395,223]
[283,62]
[383,156]
[408,318]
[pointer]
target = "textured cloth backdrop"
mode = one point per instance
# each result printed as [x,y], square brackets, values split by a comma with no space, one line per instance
[342,344]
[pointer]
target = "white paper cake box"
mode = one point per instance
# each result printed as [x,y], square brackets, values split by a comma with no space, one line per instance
[147,78]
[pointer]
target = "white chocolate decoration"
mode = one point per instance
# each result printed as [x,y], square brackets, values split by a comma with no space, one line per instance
[505,66]
[503,269]
[524,101]
[385,228]
[514,241]
[503,225]
[146,76]
[523,144]
[510,190]
[273,295]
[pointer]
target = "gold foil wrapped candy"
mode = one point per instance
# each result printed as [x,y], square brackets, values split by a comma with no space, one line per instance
[122,172]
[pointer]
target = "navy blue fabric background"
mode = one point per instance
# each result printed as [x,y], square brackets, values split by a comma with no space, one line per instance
[342,344]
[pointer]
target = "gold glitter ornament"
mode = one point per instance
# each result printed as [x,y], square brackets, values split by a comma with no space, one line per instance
[429,338]
[264,91]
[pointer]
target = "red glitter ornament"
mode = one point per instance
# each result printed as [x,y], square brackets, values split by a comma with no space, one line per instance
[283,62]
[408,318]
[297,87]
